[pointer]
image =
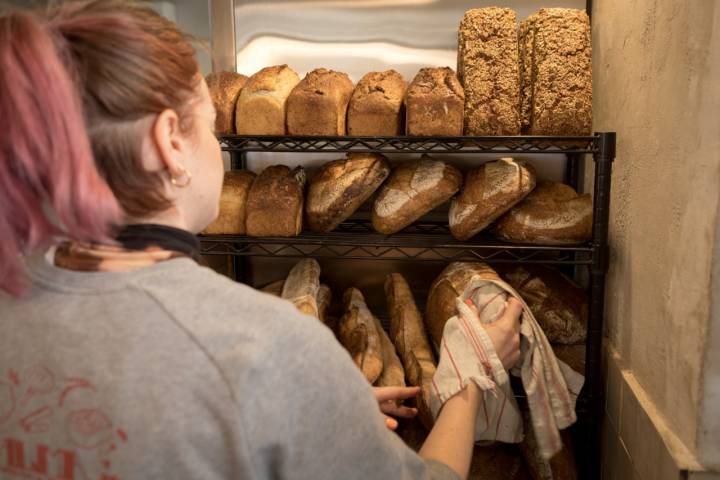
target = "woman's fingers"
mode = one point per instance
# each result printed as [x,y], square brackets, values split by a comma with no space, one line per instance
[391,408]
[391,423]
[383,394]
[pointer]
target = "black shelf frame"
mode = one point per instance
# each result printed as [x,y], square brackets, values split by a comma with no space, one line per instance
[430,241]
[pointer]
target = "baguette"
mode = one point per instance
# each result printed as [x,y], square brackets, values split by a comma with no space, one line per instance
[408,334]
[358,334]
[302,285]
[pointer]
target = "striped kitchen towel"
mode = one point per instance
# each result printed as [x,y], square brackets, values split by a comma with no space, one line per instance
[467,354]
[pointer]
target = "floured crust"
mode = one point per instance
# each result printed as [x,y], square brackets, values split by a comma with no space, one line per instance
[233,204]
[413,189]
[377,105]
[275,203]
[340,187]
[489,191]
[488,67]
[224,88]
[358,334]
[434,103]
[261,106]
[302,285]
[552,214]
[318,104]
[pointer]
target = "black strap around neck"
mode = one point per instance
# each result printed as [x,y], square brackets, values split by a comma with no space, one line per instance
[142,236]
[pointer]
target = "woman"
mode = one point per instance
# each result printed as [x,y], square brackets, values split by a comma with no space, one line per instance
[120,356]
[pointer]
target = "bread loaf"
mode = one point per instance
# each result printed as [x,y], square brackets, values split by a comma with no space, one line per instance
[377,105]
[572,355]
[558,304]
[489,191]
[526,39]
[224,88]
[561,72]
[274,288]
[341,186]
[323,299]
[233,204]
[434,104]
[318,104]
[560,467]
[488,70]
[413,189]
[392,374]
[407,332]
[262,103]
[447,287]
[358,334]
[275,203]
[302,285]
[552,214]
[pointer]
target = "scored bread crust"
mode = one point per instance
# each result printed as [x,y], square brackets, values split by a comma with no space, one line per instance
[302,285]
[358,334]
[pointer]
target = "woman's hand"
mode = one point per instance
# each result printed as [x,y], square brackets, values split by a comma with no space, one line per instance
[505,333]
[387,398]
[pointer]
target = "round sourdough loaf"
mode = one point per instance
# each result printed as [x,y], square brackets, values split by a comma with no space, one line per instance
[552,214]
[275,203]
[413,189]
[339,187]
[224,88]
[318,104]
[377,105]
[489,191]
[262,102]
[233,202]
[558,304]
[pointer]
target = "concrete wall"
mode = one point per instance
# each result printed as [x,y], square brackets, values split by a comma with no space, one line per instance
[653,78]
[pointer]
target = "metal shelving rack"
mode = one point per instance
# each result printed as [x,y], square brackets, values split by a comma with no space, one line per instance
[431,240]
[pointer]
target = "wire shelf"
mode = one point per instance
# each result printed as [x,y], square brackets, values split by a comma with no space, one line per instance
[404,144]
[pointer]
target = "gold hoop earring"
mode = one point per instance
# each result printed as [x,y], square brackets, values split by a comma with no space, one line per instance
[185,174]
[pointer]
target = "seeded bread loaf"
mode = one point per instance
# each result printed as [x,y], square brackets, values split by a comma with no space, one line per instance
[275,203]
[341,186]
[526,35]
[552,214]
[408,334]
[262,103]
[233,204]
[434,103]
[302,285]
[488,70]
[377,105]
[413,189]
[318,104]
[358,334]
[489,191]
[224,88]
[558,303]
[561,72]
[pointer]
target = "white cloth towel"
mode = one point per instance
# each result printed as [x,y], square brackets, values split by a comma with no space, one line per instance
[467,354]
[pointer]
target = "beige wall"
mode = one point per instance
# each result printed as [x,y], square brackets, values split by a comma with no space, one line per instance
[653,68]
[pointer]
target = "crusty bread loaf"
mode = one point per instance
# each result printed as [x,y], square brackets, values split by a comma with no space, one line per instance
[413,189]
[558,304]
[341,186]
[572,355]
[274,288]
[559,467]
[377,105]
[302,285]
[526,38]
[488,70]
[447,287]
[318,104]
[408,334]
[552,214]
[358,334]
[393,374]
[323,300]
[489,191]
[224,88]
[233,204]
[434,104]
[262,103]
[275,203]
[561,72]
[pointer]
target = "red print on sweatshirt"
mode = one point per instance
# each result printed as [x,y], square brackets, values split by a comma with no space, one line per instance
[35,406]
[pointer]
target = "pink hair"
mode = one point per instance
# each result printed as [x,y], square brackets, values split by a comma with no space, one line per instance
[46,162]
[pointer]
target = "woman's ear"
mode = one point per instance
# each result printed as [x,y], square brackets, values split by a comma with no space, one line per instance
[169,142]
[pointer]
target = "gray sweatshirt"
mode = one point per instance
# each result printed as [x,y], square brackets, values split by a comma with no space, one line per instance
[173,371]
